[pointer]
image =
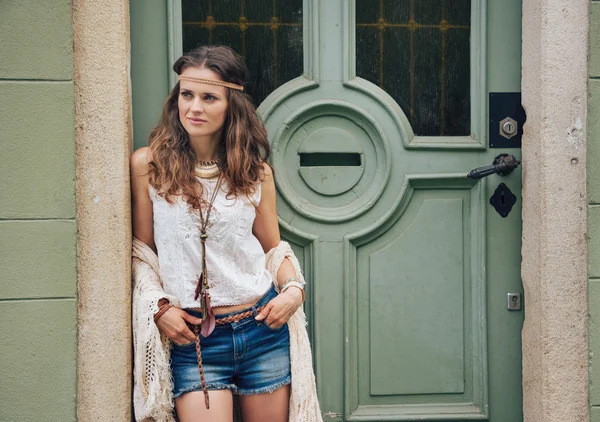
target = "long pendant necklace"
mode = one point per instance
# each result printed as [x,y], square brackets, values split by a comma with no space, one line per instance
[208,317]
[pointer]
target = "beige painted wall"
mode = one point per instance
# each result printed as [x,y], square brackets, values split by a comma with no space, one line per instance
[103,122]
[554,268]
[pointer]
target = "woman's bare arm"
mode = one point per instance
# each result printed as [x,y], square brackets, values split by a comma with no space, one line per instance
[266,229]
[141,205]
[266,226]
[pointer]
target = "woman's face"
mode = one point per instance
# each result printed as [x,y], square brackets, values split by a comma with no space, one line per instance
[202,107]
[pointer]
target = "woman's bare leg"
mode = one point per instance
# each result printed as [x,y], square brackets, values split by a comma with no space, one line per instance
[272,407]
[191,408]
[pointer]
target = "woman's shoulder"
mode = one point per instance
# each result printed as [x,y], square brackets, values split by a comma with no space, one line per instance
[265,185]
[267,172]
[140,161]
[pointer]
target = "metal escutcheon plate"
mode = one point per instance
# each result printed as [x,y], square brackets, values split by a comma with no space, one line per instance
[503,200]
[513,301]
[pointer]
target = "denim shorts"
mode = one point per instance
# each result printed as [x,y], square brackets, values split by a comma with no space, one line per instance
[246,357]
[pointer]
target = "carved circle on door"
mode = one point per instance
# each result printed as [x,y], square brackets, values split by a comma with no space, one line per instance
[332,161]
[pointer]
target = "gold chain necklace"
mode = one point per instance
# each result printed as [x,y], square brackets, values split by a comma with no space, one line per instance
[208,169]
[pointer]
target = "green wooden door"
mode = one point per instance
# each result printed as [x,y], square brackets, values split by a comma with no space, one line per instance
[376,111]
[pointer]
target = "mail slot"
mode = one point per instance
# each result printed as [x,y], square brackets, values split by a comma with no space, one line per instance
[331,161]
[326,159]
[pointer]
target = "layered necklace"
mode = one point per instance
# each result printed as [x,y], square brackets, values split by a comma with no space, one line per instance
[208,169]
[208,317]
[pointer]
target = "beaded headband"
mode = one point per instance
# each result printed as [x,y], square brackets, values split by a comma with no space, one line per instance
[211,82]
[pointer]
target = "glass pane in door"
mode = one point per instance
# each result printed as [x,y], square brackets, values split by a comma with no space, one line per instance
[267,33]
[418,51]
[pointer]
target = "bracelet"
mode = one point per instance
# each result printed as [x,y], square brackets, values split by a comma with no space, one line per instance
[292,283]
[164,307]
[301,283]
[161,312]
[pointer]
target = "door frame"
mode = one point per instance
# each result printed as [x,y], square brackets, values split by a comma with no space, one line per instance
[554,250]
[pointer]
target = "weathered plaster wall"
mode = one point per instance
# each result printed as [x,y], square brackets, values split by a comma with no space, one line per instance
[554,271]
[103,122]
[37,213]
[594,210]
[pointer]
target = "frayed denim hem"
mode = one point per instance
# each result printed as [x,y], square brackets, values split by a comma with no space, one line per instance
[264,390]
[209,387]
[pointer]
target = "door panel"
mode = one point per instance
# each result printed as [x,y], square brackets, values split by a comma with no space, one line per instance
[420,339]
[409,277]
[401,277]
[407,264]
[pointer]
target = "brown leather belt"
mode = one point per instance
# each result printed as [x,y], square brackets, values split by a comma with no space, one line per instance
[219,321]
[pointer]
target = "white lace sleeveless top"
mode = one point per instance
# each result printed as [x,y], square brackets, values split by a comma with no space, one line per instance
[235,259]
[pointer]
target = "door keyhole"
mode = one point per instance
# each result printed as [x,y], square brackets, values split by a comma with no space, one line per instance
[503,200]
[513,302]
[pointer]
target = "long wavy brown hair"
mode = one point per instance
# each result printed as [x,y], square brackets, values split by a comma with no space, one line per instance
[243,147]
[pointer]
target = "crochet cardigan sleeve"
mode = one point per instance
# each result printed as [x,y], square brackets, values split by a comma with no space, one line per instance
[304,404]
[152,375]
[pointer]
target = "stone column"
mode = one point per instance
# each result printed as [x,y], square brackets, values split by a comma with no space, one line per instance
[554,269]
[103,138]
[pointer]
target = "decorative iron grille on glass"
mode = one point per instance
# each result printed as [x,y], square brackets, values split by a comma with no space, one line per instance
[418,51]
[267,33]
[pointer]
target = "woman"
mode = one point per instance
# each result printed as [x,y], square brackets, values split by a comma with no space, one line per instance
[203,199]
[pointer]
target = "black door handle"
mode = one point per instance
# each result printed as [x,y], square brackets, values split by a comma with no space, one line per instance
[503,165]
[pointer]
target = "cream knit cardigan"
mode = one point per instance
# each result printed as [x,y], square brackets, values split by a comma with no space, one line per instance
[152,397]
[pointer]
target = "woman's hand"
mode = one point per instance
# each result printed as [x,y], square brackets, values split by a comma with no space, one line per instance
[279,310]
[173,324]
